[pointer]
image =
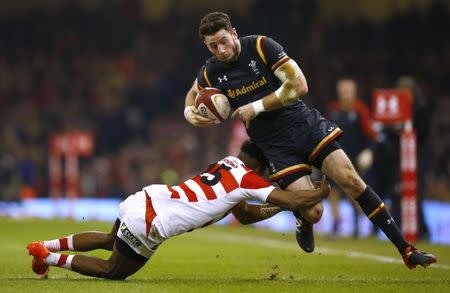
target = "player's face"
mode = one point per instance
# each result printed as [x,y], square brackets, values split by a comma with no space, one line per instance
[224,45]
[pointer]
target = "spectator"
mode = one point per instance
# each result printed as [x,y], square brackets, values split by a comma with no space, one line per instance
[353,117]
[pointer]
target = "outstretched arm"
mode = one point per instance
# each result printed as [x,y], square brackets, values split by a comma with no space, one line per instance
[251,213]
[190,112]
[279,200]
[296,200]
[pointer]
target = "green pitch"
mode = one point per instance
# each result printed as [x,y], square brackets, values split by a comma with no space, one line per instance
[227,259]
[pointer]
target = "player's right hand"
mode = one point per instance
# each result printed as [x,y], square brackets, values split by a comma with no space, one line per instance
[192,116]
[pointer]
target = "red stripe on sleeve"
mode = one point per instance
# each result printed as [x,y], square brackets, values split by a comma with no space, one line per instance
[175,193]
[252,181]
[150,213]
[189,193]
[209,192]
[228,181]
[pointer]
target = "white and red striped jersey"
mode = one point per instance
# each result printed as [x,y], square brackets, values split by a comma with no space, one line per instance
[206,198]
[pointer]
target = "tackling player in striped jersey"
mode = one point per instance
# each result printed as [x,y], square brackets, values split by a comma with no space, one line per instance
[158,212]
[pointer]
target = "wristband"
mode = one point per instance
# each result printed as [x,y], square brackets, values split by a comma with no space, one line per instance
[258,106]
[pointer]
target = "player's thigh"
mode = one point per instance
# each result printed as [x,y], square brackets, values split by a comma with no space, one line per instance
[340,169]
[286,165]
[301,184]
[124,261]
[321,140]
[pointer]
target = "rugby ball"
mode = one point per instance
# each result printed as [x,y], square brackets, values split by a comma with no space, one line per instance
[212,103]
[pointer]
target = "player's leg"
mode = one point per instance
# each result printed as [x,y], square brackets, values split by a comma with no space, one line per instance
[84,241]
[311,214]
[339,168]
[305,218]
[289,169]
[122,263]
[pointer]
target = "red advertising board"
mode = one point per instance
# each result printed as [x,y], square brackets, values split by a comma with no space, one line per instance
[408,164]
[392,105]
[68,147]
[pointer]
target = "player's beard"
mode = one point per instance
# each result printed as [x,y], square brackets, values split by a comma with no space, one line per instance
[236,52]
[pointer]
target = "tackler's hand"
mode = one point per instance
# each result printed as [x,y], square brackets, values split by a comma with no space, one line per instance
[323,186]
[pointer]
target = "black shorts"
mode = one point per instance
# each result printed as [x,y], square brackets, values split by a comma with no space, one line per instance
[307,143]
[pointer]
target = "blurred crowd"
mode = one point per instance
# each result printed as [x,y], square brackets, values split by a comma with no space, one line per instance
[111,72]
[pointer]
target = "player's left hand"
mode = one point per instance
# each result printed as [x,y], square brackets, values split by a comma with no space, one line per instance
[246,113]
[323,185]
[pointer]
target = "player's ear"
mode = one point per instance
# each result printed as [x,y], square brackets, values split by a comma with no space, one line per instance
[234,33]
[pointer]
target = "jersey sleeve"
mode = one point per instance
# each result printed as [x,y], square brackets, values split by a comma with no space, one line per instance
[202,78]
[271,52]
[254,186]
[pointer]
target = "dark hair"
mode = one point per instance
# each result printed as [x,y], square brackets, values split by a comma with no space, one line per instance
[255,152]
[213,22]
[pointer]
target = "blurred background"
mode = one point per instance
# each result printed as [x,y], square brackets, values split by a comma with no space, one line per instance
[120,69]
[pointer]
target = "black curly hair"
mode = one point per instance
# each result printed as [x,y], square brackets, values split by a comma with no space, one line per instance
[213,22]
[252,150]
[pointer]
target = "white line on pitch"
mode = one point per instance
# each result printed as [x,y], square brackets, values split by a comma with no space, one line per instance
[273,243]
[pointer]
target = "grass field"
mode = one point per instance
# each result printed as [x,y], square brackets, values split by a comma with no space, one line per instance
[227,259]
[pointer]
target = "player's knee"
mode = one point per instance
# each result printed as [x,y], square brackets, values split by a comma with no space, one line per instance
[109,242]
[314,214]
[350,181]
[355,184]
[114,273]
[317,212]
[117,276]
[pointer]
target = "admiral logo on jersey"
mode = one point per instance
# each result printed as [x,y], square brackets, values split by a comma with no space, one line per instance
[234,93]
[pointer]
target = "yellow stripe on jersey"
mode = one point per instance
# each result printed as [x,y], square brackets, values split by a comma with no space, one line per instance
[279,62]
[260,50]
[205,76]
[290,170]
[323,143]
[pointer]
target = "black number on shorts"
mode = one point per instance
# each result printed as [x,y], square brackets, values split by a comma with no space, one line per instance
[217,175]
